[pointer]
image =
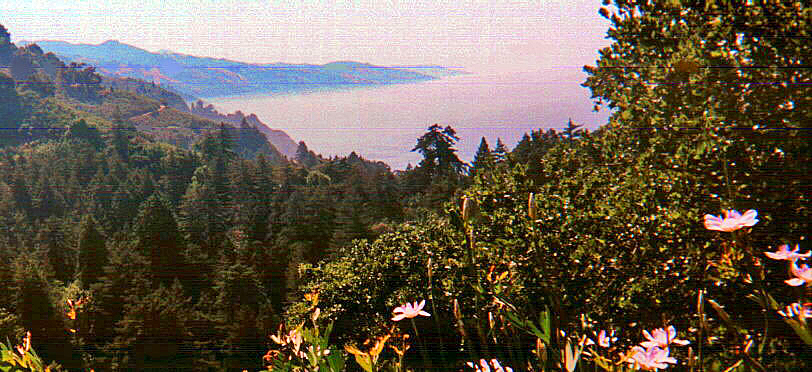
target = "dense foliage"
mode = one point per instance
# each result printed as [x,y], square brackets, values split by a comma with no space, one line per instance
[607,225]
[209,249]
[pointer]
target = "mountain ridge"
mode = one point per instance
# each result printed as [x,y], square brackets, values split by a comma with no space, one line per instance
[207,77]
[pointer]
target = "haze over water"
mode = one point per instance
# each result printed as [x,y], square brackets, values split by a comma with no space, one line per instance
[384,122]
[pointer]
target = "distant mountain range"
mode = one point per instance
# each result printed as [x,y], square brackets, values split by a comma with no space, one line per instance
[201,77]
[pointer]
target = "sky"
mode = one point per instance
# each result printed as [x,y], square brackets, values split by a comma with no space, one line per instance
[479,36]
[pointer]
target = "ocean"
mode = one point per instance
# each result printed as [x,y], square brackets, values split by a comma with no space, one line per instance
[384,122]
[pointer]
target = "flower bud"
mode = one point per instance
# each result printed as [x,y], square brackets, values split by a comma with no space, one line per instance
[531,206]
[470,209]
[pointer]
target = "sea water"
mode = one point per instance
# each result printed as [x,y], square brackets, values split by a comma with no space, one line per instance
[384,122]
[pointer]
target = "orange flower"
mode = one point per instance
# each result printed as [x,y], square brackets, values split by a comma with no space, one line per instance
[22,349]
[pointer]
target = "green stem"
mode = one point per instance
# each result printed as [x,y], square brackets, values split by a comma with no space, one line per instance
[436,317]
[426,362]
[700,309]
[471,246]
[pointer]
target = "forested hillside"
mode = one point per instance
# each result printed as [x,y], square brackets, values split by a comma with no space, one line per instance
[278,138]
[148,209]
[675,236]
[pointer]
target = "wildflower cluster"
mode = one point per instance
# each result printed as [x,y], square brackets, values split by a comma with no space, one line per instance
[291,340]
[304,348]
[73,307]
[368,360]
[652,354]
[485,366]
[21,357]
[803,275]
[603,340]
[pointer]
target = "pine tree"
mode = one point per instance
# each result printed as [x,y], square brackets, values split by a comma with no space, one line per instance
[83,132]
[46,202]
[60,256]
[93,253]
[37,314]
[350,220]
[120,142]
[153,331]
[217,145]
[99,198]
[204,216]
[158,239]
[124,276]
[236,316]
[500,151]
[265,189]
[20,192]
[177,169]
[439,154]
[483,159]
[305,157]
[243,193]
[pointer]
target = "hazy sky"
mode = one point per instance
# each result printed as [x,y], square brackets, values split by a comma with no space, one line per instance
[481,36]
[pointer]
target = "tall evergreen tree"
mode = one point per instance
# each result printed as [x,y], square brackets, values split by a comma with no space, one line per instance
[304,156]
[21,192]
[234,318]
[177,170]
[265,189]
[124,276]
[483,159]
[500,151]
[153,331]
[83,132]
[438,176]
[158,239]
[92,251]
[439,154]
[243,191]
[46,201]
[60,256]
[37,314]
[120,141]
[217,145]
[204,217]
[351,221]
